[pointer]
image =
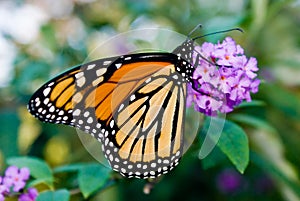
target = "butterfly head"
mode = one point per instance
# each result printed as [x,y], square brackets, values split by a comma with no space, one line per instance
[184,53]
[186,49]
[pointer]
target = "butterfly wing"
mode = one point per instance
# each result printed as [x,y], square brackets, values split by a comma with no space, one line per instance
[134,105]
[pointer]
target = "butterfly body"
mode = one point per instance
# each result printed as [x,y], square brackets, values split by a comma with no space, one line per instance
[133,104]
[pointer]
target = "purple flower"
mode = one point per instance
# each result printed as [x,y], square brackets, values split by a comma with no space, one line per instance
[223,79]
[208,105]
[248,66]
[226,52]
[207,49]
[254,86]
[229,181]
[31,195]
[4,189]
[16,178]
[2,198]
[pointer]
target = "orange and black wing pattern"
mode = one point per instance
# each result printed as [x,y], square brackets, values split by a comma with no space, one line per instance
[133,104]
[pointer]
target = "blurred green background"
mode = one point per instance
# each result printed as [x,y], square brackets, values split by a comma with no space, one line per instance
[41,38]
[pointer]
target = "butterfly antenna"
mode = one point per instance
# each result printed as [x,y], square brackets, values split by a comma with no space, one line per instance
[218,32]
[194,29]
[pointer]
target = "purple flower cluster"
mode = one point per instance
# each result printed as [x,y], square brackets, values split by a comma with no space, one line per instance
[223,77]
[229,181]
[13,183]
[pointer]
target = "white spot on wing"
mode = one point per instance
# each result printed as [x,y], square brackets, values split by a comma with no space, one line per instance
[52,83]
[80,81]
[38,104]
[76,112]
[112,123]
[132,97]
[91,66]
[86,114]
[118,65]
[46,91]
[78,75]
[148,80]
[106,62]
[46,101]
[100,71]
[52,109]
[90,120]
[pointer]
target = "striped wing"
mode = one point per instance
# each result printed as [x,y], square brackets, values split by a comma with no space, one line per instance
[134,105]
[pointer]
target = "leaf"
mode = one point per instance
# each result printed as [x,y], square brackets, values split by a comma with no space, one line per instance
[61,195]
[91,178]
[38,168]
[281,99]
[36,182]
[69,168]
[252,121]
[214,158]
[233,142]
[253,103]
[9,133]
[213,126]
[214,155]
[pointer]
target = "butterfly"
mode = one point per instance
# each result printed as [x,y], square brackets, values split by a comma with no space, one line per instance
[133,104]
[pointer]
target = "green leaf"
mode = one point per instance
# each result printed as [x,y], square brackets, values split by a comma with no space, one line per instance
[214,158]
[38,168]
[9,122]
[253,103]
[252,121]
[36,182]
[61,195]
[91,178]
[233,142]
[282,99]
[69,168]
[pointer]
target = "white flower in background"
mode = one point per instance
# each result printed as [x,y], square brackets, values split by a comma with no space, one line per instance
[56,9]
[20,23]
[7,55]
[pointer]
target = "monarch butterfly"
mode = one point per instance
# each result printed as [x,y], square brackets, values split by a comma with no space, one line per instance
[133,104]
